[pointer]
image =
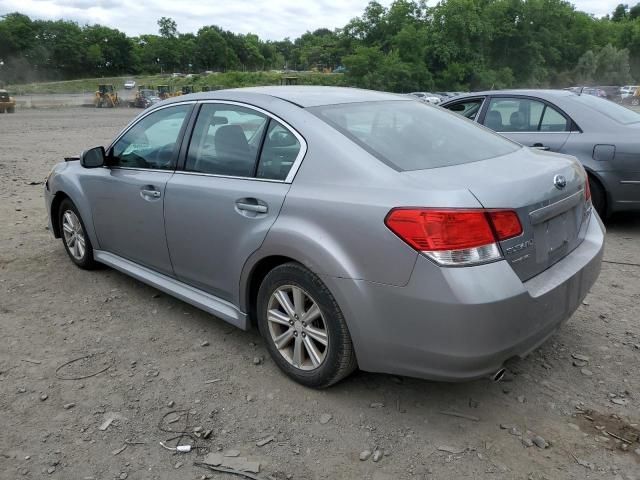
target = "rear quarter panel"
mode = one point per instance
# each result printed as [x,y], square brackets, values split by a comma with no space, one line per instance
[332,220]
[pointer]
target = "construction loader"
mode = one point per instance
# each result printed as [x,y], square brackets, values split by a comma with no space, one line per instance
[106,97]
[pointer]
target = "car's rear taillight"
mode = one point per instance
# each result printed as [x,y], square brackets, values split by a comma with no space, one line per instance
[455,236]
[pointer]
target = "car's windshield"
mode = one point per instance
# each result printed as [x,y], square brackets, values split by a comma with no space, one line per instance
[409,135]
[612,110]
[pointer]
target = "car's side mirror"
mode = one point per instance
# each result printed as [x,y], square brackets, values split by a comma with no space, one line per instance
[93,158]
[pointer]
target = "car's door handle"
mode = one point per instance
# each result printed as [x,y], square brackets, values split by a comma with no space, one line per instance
[251,207]
[540,146]
[147,192]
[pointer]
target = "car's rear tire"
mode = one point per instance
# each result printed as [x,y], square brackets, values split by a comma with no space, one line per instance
[74,236]
[11,110]
[296,340]
[598,197]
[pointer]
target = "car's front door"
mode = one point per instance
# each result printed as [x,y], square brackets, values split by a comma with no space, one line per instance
[528,121]
[127,198]
[221,204]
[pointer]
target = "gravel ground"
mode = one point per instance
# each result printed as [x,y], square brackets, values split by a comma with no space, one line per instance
[164,355]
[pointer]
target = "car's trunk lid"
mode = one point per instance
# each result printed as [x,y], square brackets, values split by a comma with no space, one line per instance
[553,218]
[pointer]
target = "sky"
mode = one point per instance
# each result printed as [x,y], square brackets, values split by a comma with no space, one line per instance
[270,19]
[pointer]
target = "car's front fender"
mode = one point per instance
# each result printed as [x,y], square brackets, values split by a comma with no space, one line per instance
[66,180]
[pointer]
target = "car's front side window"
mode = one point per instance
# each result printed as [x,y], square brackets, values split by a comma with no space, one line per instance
[152,142]
[468,108]
[226,140]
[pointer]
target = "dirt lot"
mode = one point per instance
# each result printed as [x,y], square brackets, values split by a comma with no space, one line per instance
[164,355]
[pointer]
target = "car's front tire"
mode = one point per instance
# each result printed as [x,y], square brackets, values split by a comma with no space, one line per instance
[74,236]
[304,328]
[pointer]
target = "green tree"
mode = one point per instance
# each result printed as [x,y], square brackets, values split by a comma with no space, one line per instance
[167,27]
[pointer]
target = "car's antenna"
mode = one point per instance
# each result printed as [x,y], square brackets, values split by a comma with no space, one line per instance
[581,89]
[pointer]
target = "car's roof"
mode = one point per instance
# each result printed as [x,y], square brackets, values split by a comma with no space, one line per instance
[303,96]
[545,94]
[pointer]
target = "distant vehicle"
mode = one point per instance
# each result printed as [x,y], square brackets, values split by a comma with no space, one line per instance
[106,97]
[165,91]
[447,95]
[7,103]
[130,84]
[145,97]
[340,69]
[600,133]
[427,97]
[177,74]
[633,100]
[354,228]
[628,91]
[611,92]
[595,91]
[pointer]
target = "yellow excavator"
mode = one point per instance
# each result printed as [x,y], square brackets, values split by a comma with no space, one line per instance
[106,97]
[7,103]
[164,92]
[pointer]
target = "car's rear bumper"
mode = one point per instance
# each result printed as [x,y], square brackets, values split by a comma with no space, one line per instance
[464,323]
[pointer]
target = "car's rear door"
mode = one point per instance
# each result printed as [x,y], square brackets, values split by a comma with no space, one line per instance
[529,121]
[127,198]
[220,204]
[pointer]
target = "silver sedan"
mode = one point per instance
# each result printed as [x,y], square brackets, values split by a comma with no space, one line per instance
[601,134]
[354,228]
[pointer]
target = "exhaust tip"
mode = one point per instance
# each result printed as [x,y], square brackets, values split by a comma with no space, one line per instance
[498,375]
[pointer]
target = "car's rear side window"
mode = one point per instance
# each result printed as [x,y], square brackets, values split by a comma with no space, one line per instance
[409,135]
[608,108]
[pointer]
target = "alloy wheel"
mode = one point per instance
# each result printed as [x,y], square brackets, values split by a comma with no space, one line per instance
[73,235]
[297,327]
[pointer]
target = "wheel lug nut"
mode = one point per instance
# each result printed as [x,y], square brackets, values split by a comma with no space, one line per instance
[295,334]
[291,322]
[304,334]
[304,324]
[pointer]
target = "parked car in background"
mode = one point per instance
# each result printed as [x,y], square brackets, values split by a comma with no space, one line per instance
[611,92]
[145,97]
[601,134]
[130,84]
[595,91]
[427,97]
[627,91]
[355,228]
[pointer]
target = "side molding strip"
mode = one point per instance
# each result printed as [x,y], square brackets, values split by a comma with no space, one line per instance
[203,300]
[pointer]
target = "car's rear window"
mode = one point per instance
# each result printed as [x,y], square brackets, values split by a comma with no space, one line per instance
[608,108]
[409,135]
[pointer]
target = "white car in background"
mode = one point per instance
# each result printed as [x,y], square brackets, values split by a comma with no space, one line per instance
[627,91]
[130,84]
[427,97]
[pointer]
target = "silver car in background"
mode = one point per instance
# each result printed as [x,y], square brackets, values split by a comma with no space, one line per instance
[355,228]
[600,133]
